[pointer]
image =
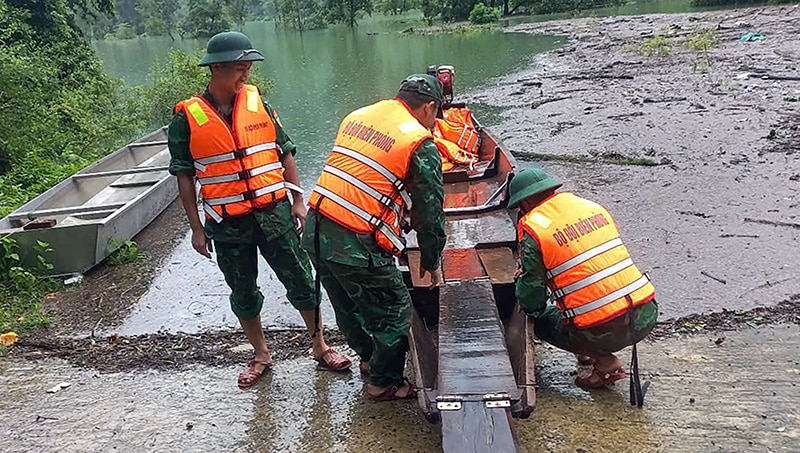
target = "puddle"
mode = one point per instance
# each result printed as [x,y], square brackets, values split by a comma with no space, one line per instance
[703,397]
[190,295]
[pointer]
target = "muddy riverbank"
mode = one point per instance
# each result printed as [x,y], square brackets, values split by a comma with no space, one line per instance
[695,152]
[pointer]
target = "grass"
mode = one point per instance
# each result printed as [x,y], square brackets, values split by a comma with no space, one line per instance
[614,160]
[124,252]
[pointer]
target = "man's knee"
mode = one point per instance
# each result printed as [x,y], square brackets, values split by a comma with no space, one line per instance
[246,306]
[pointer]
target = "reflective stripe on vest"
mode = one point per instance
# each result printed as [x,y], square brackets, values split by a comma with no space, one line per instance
[238,165]
[371,219]
[361,187]
[398,183]
[589,270]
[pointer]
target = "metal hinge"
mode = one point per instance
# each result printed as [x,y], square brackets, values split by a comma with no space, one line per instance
[497,400]
[448,403]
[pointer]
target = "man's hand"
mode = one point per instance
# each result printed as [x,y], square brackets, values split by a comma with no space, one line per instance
[201,243]
[299,214]
[436,276]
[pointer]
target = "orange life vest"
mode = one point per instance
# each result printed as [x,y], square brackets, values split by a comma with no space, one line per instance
[361,186]
[458,126]
[589,270]
[452,154]
[238,167]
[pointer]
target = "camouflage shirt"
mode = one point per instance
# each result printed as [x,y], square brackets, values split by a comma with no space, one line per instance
[273,221]
[532,284]
[424,182]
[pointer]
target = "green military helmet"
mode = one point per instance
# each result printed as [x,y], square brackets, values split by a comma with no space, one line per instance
[425,85]
[529,182]
[229,46]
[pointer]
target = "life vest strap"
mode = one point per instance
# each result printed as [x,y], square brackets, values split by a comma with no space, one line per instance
[240,175]
[585,256]
[607,299]
[374,221]
[246,195]
[211,212]
[239,153]
[386,173]
[381,198]
[594,278]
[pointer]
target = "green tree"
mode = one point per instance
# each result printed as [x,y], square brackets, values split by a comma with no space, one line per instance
[301,14]
[346,11]
[482,14]
[205,18]
[159,17]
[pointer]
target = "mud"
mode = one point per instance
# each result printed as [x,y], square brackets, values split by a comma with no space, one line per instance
[109,292]
[713,225]
[703,396]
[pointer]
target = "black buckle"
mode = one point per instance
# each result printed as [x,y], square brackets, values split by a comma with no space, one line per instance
[244,174]
[239,153]
[249,195]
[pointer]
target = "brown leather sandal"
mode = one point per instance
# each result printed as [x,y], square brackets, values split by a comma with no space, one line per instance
[390,394]
[599,379]
[250,376]
[335,362]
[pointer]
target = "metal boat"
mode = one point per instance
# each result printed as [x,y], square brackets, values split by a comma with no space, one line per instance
[86,216]
[471,346]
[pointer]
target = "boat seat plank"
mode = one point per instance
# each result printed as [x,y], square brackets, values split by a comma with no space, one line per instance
[499,264]
[476,428]
[473,358]
[494,227]
[461,264]
[413,268]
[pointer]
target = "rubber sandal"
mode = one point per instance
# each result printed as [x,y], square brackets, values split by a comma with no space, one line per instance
[344,365]
[598,379]
[390,394]
[585,359]
[250,376]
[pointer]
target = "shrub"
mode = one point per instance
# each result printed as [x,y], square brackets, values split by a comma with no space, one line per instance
[482,14]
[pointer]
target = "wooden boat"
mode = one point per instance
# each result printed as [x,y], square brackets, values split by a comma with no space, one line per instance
[86,216]
[471,346]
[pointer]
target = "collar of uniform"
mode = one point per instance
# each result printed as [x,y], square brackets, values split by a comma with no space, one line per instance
[213,102]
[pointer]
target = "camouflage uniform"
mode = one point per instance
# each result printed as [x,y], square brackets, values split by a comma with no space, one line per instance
[369,297]
[549,324]
[236,240]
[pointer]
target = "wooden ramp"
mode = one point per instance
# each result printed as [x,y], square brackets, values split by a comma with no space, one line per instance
[476,382]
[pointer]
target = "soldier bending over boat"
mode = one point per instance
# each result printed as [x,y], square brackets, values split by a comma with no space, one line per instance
[572,247]
[232,142]
[384,162]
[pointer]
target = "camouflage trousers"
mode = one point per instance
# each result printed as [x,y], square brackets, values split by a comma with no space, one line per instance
[373,311]
[239,265]
[607,338]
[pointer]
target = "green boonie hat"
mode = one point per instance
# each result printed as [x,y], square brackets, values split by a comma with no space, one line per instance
[424,84]
[529,182]
[229,46]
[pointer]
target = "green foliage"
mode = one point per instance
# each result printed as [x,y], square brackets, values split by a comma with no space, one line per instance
[205,18]
[159,17]
[122,30]
[658,45]
[396,7]
[702,39]
[22,289]
[482,14]
[347,11]
[301,14]
[123,252]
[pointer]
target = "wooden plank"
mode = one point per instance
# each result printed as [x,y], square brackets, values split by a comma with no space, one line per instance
[476,428]
[499,264]
[521,348]
[493,227]
[413,269]
[461,264]
[473,358]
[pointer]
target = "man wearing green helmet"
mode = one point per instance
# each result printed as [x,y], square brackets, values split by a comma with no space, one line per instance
[570,248]
[230,141]
[384,163]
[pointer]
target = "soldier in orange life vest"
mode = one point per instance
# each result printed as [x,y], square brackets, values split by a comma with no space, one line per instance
[571,247]
[230,141]
[383,163]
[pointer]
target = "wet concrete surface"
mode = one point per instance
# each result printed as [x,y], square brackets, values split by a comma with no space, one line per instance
[708,393]
[189,294]
[693,215]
